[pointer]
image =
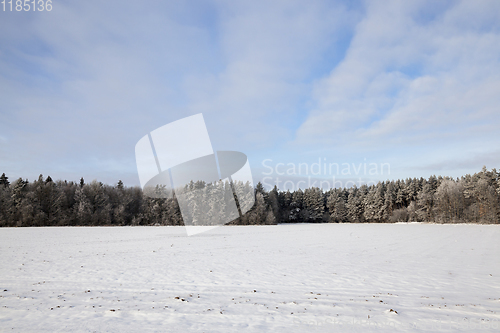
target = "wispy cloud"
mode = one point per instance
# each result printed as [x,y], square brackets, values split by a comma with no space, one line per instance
[269,50]
[88,79]
[407,80]
[281,79]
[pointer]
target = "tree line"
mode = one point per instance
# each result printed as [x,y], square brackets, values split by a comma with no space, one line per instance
[45,202]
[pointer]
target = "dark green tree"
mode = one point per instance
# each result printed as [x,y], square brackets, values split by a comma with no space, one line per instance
[4,180]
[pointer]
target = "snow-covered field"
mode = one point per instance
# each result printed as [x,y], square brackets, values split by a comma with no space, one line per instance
[285,278]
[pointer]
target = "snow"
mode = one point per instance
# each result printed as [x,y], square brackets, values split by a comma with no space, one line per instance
[285,278]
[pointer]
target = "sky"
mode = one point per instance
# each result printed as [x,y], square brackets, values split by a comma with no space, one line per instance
[310,91]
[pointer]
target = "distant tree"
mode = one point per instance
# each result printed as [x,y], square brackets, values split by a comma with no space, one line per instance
[83,208]
[390,197]
[471,198]
[296,206]
[433,183]
[484,197]
[173,213]
[274,203]
[17,197]
[270,218]
[401,194]
[4,180]
[18,191]
[337,206]
[354,206]
[414,187]
[450,201]
[47,201]
[425,200]
[259,188]
[5,205]
[258,214]
[313,206]
[370,205]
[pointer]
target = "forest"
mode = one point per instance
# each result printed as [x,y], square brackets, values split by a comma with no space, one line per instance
[45,202]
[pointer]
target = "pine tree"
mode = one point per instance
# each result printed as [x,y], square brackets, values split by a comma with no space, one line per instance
[401,194]
[370,206]
[5,203]
[425,201]
[337,206]
[389,201]
[258,213]
[259,188]
[4,180]
[270,218]
[287,205]
[18,191]
[379,202]
[354,206]
[313,207]
[413,189]
[17,197]
[273,199]
[296,205]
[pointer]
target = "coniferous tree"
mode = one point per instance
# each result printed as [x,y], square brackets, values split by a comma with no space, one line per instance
[354,206]
[83,208]
[471,198]
[296,206]
[425,200]
[313,206]
[370,205]
[390,197]
[337,206]
[4,180]
[273,198]
[287,206]
[5,206]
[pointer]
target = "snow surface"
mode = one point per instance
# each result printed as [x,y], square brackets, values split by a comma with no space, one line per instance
[285,278]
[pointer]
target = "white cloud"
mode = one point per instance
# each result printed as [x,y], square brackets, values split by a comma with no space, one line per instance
[403,82]
[83,85]
[269,49]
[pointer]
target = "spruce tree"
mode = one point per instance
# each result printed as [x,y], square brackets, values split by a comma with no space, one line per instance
[337,206]
[4,180]
[313,205]
[353,206]
[274,202]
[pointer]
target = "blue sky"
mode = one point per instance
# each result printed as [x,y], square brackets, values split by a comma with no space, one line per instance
[412,84]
